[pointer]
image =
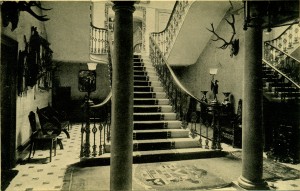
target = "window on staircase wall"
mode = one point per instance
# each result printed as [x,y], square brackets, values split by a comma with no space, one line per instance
[162,18]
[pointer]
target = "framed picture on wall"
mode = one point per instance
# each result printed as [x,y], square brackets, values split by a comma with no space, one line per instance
[87,80]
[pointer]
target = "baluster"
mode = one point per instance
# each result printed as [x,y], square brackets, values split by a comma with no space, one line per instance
[290,38]
[193,130]
[280,45]
[91,39]
[200,128]
[100,138]
[94,130]
[296,30]
[95,41]
[99,42]
[81,142]
[219,131]
[285,42]
[104,134]
[108,127]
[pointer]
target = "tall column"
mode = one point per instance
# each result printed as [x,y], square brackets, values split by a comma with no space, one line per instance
[122,98]
[252,135]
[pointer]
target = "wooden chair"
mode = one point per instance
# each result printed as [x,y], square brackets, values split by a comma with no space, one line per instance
[38,138]
[50,119]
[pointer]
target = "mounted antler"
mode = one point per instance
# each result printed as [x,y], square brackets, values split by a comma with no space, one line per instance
[234,43]
[10,12]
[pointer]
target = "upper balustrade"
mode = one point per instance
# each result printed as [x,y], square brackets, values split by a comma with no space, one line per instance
[288,40]
[98,40]
[166,38]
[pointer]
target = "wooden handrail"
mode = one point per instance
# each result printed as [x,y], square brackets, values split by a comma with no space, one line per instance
[280,34]
[281,73]
[108,97]
[170,18]
[98,27]
[176,80]
[283,52]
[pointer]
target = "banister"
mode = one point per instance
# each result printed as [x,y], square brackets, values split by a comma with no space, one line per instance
[98,27]
[280,34]
[282,52]
[176,80]
[111,60]
[281,73]
[98,40]
[170,18]
[167,37]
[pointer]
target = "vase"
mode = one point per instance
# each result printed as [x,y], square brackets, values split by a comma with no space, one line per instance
[204,96]
[226,94]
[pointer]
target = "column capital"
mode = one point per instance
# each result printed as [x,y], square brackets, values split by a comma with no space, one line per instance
[129,5]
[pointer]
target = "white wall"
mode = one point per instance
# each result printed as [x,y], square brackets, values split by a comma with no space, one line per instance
[69,30]
[33,97]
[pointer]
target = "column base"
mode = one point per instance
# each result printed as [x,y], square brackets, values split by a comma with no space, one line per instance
[249,185]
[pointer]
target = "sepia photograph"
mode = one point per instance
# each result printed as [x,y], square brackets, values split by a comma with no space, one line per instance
[141,95]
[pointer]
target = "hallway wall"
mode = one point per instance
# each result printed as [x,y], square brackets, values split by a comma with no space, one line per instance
[69,30]
[230,70]
[67,75]
[33,97]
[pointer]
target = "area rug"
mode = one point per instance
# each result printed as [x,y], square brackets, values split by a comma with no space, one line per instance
[271,170]
[174,176]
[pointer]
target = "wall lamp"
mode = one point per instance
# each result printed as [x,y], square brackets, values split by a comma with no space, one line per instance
[92,65]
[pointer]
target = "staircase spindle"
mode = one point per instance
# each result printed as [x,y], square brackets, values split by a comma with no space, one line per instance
[94,130]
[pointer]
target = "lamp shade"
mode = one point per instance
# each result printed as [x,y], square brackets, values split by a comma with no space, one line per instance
[213,71]
[92,65]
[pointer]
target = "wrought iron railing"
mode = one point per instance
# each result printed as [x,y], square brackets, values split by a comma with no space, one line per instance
[98,40]
[288,39]
[95,131]
[286,65]
[166,38]
[180,99]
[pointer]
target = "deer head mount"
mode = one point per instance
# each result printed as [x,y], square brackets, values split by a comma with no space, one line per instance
[10,12]
[233,43]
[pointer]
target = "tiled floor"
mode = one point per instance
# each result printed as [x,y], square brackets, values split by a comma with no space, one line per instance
[40,174]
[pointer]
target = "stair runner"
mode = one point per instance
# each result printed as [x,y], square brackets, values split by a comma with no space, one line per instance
[157,135]
[276,88]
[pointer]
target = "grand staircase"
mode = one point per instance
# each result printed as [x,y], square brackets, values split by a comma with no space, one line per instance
[157,134]
[277,89]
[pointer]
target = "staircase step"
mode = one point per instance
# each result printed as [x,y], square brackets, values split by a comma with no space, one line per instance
[138,64]
[158,156]
[161,144]
[140,78]
[149,101]
[138,72]
[141,83]
[284,89]
[146,83]
[289,94]
[272,80]
[152,108]
[278,84]
[153,116]
[148,89]
[142,125]
[149,95]
[145,78]
[160,134]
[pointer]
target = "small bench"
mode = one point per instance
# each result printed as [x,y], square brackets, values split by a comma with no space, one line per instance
[50,119]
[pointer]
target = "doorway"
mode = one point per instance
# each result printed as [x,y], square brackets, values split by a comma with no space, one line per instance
[9,53]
